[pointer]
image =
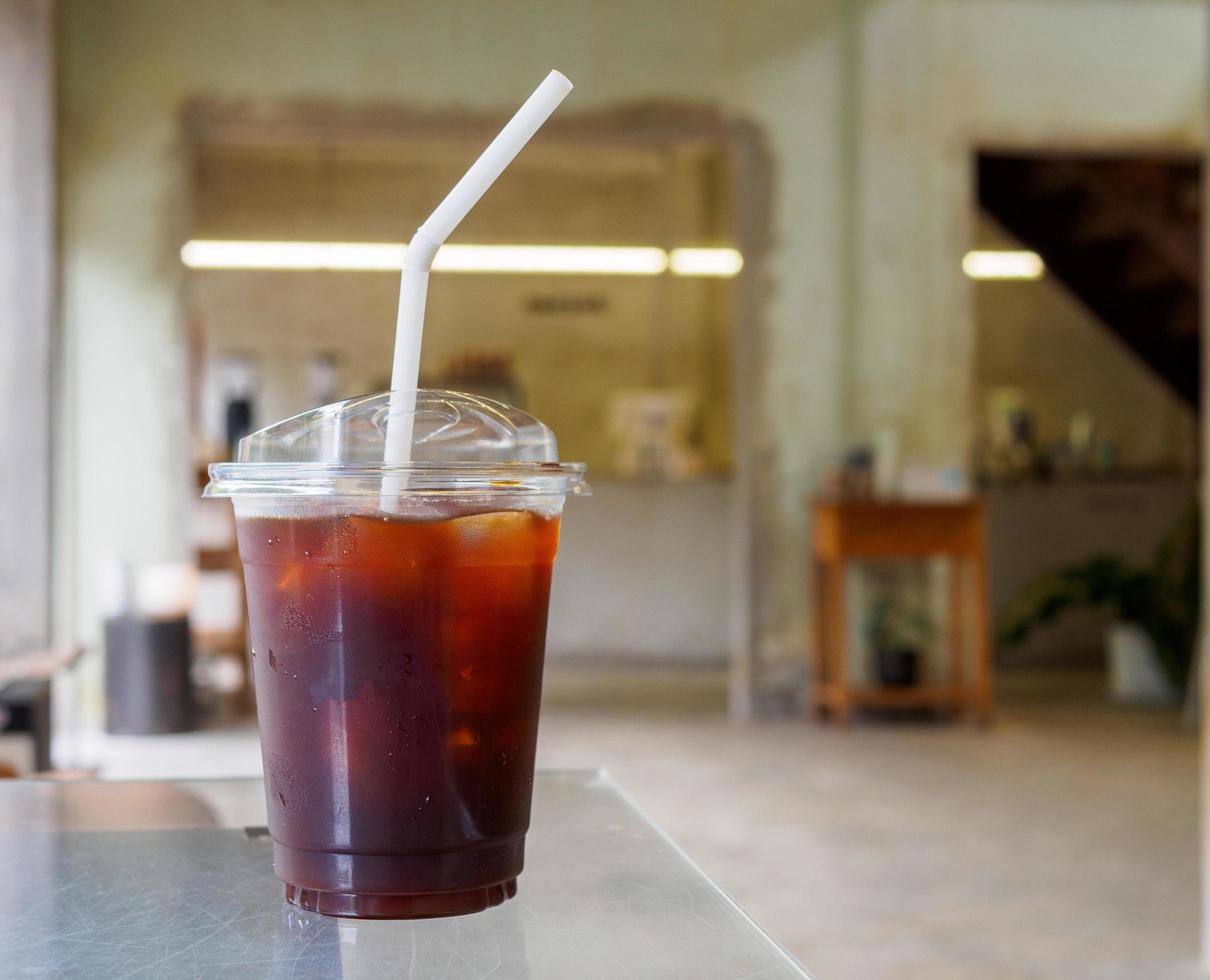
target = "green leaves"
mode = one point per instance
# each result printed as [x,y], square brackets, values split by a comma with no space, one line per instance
[891,625]
[1161,596]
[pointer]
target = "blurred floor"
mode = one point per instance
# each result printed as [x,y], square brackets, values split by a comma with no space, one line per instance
[1060,843]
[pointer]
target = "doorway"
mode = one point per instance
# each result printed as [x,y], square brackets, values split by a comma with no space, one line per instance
[639,374]
[1087,386]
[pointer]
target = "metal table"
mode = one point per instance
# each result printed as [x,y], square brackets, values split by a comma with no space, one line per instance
[174,879]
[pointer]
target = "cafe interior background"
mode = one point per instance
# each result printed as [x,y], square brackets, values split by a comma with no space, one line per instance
[877,253]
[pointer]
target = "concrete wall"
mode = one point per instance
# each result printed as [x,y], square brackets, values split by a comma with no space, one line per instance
[925,83]
[870,112]
[129,68]
[26,322]
[941,77]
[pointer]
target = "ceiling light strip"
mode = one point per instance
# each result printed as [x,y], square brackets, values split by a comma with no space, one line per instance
[1003,264]
[720,262]
[532,259]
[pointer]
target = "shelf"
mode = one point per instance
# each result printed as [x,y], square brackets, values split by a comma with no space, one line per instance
[922,695]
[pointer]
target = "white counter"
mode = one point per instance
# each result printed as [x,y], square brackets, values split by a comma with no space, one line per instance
[642,571]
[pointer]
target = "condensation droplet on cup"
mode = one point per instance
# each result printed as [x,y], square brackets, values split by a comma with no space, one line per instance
[306,553]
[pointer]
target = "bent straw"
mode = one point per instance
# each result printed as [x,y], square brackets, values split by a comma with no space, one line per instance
[429,237]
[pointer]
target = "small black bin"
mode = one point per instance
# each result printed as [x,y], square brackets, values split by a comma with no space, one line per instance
[148,690]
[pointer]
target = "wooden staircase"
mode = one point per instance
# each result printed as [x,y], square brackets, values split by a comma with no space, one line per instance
[1123,234]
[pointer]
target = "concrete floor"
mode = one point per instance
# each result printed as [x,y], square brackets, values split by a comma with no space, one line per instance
[1060,843]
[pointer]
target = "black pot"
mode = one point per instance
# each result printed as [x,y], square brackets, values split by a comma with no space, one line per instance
[897,666]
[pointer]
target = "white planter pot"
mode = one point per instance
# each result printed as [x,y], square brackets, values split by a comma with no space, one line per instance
[1135,675]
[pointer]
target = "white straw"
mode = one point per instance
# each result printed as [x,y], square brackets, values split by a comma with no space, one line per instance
[429,237]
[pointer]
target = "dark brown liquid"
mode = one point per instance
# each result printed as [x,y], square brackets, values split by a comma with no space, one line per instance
[398,670]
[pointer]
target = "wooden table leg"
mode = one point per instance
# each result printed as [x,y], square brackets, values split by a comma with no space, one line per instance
[955,613]
[819,656]
[837,645]
[983,682]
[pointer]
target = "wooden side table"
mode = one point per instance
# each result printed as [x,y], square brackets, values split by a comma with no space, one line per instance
[870,530]
[232,642]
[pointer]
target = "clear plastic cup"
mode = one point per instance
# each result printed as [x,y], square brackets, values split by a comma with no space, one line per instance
[397,619]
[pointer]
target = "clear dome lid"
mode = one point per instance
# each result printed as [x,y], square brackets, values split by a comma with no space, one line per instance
[461,444]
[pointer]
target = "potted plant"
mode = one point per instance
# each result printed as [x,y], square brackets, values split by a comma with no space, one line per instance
[1151,645]
[898,637]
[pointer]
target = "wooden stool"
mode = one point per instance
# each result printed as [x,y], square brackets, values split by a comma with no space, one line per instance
[25,689]
[871,530]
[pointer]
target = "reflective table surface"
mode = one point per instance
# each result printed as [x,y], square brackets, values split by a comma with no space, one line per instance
[175,879]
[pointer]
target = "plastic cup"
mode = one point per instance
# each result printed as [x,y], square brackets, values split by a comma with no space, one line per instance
[397,642]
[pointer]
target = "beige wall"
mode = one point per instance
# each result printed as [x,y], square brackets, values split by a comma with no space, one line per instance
[870,112]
